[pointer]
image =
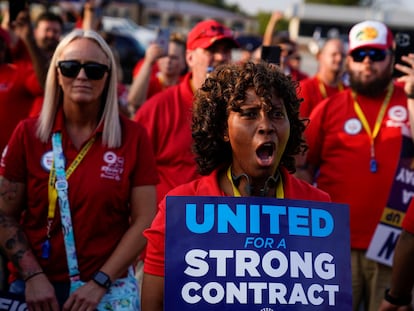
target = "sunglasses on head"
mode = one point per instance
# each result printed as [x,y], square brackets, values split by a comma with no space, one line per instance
[71,69]
[214,31]
[375,55]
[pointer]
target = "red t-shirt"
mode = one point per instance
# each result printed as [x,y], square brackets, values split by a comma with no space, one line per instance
[209,186]
[297,75]
[18,89]
[155,85]
[99,192]
[313,91]
[167,118]
[138,66]
[21,54]
[340,147]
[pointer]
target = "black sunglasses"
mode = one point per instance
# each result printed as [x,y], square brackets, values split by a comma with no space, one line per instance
[71,69]
[375,55]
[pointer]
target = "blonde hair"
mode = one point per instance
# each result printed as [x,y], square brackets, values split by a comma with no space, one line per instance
[111,135]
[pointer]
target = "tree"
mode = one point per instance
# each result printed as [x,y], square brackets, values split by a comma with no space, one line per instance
[263,18]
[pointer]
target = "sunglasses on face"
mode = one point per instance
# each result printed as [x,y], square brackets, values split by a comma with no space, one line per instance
[374,55]
[71,69]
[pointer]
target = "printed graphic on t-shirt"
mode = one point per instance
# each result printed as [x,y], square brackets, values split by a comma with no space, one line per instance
[114,166]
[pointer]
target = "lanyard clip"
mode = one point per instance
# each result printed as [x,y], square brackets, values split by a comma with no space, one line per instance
[61,184]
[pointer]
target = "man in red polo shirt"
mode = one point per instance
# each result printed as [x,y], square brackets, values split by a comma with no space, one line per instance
[18,89]
[167,115]
[327,81]
[355,139]
[157,71]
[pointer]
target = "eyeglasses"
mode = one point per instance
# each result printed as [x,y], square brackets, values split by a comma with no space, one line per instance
[71,69]
[375,55]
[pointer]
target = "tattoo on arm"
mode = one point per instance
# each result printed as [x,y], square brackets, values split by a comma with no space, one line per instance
[8,190]
[16,257]
[13,240]
[17,240]
[15,245]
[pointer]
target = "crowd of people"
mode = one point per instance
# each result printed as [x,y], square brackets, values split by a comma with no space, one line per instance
[195,122]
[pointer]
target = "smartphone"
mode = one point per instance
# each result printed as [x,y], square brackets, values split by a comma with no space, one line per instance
[271,54]
[163,39]
[15,6]
[404,44]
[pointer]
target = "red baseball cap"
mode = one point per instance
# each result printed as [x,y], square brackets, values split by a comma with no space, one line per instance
[206,33]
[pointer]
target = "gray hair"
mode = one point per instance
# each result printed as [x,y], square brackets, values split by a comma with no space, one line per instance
[111,136]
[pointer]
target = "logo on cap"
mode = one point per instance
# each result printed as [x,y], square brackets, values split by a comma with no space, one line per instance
[370,34]
[366,34]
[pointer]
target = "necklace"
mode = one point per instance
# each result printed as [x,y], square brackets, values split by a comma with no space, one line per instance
[271,182]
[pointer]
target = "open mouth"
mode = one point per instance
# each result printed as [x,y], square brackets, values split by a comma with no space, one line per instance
[265,152]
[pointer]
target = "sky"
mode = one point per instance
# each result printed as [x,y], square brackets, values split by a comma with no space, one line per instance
[253,6]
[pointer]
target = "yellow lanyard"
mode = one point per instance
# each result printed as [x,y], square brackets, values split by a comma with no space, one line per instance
[279,188]
[52,193]
[373,134]
[322,88]
[161,82]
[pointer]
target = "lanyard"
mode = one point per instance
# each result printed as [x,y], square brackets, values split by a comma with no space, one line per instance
[373,134]
[322,88]
[52,177]
[279,188]
[58,185]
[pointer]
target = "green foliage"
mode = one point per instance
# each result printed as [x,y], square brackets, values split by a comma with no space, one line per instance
[263,18]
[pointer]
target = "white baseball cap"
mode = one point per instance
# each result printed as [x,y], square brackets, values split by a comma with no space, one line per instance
[370,34]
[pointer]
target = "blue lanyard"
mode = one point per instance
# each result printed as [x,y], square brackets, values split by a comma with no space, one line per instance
[61,186]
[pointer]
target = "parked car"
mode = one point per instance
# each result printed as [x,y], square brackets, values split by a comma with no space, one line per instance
[130,41]
[143,34]
[129,50]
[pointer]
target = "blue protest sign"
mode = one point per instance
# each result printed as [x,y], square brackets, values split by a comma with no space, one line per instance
[228,253]
[384,240]
[12,302]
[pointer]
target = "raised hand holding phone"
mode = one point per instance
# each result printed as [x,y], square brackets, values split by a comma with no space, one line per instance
[271,54]
[163,39]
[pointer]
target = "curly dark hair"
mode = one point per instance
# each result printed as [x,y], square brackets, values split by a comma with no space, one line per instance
[224,91]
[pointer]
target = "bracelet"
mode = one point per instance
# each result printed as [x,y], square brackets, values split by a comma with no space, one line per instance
[411,96]
[33,275]
[400,301]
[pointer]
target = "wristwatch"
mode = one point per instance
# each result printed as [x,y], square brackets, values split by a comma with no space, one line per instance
[102,279]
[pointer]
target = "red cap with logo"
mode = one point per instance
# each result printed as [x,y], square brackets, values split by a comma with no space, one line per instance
[370,34]
[206,33]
